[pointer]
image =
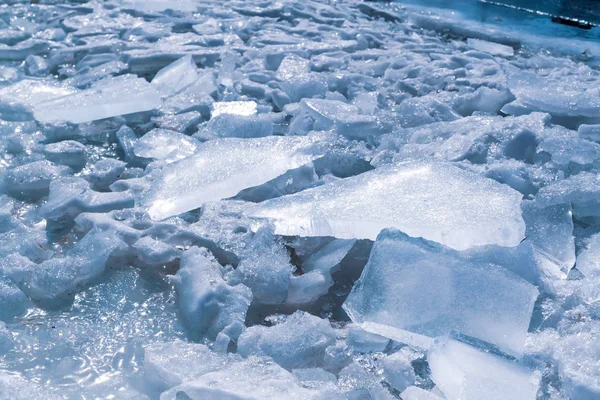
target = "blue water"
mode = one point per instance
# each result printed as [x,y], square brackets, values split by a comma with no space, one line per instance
[585,10]
[529,15]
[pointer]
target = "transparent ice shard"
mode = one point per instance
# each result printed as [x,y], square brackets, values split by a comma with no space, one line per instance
[110,97]
[437,201]
[165,144]
[223,167]
[463,372]
[422,287]
[176,76]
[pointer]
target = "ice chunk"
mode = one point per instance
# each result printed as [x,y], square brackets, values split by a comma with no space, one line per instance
[588,260]
[20,98]
[317,280]
[297,342]
[183,123]
[155,252]
[291,67]
[550,229]
[208,304]
[13,301]
[164,144]
[67,152]
[576,355]
[464,373]
[415,393]
[105,172]
[73,196]
[109,97]
[14,387]
[173,363]
[591,132]
[362,341]
[436,290]
[60,278]
[423,110]
[243,108]
[176,76]
[346,118]
[194,97]
[33,180]
[397,368]
[495,49]
[304,86]
[24,49]
[235,125]
[266,268]
[221,168]
[247,380]
[580,190]
[559,94]
[437,201]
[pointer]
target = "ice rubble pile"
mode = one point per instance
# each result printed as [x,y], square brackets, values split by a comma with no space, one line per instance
[302,200]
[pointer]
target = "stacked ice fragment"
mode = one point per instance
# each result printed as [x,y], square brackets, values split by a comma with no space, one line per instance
[303,200]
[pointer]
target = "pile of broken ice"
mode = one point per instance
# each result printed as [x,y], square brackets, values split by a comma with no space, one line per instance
[293,200]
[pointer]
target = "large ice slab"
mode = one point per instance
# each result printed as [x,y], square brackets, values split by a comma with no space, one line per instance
[464,373]
[422,287]
[558,93]
[437,201]
[223,167]
[109,97]
[19,99]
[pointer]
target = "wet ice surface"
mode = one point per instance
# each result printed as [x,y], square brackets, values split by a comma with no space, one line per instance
[301,200]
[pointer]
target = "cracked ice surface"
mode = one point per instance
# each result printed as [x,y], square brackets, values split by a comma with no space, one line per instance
[348,199]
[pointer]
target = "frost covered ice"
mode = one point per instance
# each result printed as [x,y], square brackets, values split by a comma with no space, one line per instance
[336,199]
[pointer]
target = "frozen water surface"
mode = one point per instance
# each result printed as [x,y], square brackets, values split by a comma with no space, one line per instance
[263,199]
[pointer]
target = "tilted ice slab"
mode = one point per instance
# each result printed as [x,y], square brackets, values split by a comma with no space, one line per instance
[464,373]
[410,284]
[437,201]
[221,168]
[569,95]
[110,97]
[20,98]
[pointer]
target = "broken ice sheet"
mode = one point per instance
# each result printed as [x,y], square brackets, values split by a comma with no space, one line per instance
[221,168]
[176,76]
[109,97]
[490,47]
[19,99]
[436,290]
[437,201]
[463,372]
[560,93]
